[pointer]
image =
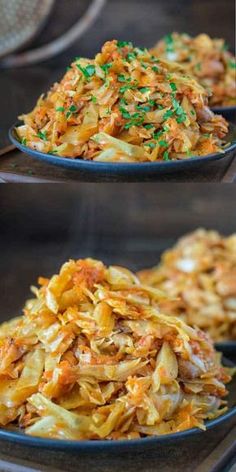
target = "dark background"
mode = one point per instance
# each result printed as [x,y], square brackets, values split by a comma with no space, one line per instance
[142,21]
[41,226]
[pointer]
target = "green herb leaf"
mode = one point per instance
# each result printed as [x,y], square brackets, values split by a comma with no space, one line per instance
[42,135]
[121,78]
[163,143]
[168,114]
[122,44]
[149,126]
[106,67]
[73,109]
[198,66]
[60,109]
[143,108]
[169,43]
[88,71]
[181,118]
[232,64]
[151,145]
[131,56]
[144,89]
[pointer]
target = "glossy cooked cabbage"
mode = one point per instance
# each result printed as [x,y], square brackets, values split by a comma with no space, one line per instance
[207,59]
[200,272]
[124,106]
[91,358]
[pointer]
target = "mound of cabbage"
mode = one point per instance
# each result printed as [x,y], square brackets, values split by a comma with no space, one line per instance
[93,358]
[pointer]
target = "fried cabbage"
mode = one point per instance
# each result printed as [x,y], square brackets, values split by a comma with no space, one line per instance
[200,273]
[126,105]
[206,59]
[92,357]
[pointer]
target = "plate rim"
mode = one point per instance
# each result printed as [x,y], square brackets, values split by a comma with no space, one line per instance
[223,109]
[122,167]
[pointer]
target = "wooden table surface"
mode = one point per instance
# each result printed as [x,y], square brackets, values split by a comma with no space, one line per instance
[129,225]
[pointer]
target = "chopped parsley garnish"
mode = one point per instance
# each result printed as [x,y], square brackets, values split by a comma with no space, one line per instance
[42,135]
[150,145]
[158,134]
[106,67]
[60,109]
[169,43]
[88,71]
[73,109]
[163,143]
[23,141]
[144,89]
[149,126]
[232,64]
[123,101]
[122,44]
[152,103]
[127,87]
[225,47]
[145,108]
[166,156]
[173,86]
[141,51]
[122,78]
[181,115]
[181,119]
[155,69]
[131,56]
[125,113]
[154,59]
[168,114]
[193,112]
[144,65]
[198,66]
[94,99]
[135,119]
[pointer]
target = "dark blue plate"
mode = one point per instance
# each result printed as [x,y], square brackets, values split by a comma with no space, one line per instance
[123,445]
[143,171]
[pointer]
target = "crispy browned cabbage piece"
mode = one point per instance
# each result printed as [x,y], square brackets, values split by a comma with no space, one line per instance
[200,272]
[207,59]
[124,106]
[91,358]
